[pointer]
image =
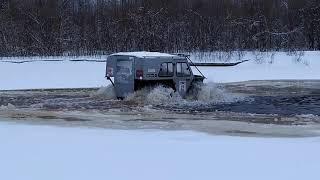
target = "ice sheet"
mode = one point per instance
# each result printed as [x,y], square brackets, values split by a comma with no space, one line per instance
[42,152]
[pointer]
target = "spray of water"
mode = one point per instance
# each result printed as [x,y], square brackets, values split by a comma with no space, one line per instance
[202,95]
[107,93]
[152,96]
[9,106]
[205,94]
[162,95]
[213,93]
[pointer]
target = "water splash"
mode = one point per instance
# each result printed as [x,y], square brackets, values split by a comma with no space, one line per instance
[162,95]
[213,93]
[7,107]
[204,97]
[107,93]
[158,95]
[205,94]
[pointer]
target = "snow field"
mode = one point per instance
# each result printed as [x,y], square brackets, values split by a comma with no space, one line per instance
[69,74]
[42,152]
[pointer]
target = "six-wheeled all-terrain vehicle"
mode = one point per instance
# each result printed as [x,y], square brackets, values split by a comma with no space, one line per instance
[132,71]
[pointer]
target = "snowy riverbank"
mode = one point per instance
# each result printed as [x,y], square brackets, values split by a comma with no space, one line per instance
[41,152]
[80,74]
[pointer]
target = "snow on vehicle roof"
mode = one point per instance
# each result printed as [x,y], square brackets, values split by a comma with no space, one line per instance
[144,54]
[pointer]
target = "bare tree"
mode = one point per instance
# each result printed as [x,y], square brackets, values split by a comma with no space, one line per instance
[78,27]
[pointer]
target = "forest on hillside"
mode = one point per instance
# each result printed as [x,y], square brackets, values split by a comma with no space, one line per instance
[87,27]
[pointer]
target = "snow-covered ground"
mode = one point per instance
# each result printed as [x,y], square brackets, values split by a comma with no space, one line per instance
[43,152]
[89,73]
[45,74]
[268,67]
[30,152]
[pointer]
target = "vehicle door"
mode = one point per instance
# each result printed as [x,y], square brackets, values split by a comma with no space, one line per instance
[183,77]
[124,77]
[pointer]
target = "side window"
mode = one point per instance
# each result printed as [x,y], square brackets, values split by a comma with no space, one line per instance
[166,70]
[183,69]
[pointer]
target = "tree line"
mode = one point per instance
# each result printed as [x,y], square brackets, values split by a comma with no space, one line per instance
[87,27]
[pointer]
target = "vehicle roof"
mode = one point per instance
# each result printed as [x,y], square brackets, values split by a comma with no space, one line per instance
[146,54]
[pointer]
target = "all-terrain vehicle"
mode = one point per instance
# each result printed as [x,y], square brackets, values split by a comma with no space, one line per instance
[133,71]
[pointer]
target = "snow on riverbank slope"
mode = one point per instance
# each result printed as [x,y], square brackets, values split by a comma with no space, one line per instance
[70,74]
[46,74]
[40,152]
[270,67]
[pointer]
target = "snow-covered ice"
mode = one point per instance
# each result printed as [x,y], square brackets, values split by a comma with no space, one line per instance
[31,152]
[270,67]
[51,74]
[70,74]
[42,152]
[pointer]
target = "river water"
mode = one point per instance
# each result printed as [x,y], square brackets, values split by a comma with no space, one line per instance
[253,108]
